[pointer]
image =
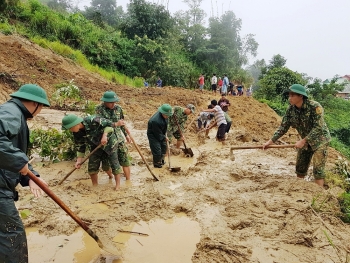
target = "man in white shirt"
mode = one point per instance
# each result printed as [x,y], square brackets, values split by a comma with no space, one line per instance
[214,82]
[220,120]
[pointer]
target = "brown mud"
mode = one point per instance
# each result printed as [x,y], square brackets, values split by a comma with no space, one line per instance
[250,209]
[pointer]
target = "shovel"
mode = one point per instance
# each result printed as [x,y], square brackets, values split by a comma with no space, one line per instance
[171,169]
[69,212]
[257,147]
[187,151]
[143,158]
[83,161]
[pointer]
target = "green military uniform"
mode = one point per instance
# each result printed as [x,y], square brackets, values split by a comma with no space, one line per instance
[310,124]
[14,139]
[91,136]
[115,115]
[156,133]
[173,129]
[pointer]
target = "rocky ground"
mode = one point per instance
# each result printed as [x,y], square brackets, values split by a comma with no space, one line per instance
[250,208]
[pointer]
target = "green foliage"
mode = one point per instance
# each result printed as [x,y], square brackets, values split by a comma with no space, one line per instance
[52,144]
[277,105]
[65,93]
[344,202]
[89,107]
[25,213]
[276,81]
[146,19]
[5,27]
[321,91]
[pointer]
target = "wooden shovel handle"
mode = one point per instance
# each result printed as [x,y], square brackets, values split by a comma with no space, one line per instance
[143,158]
[261,146]
[83,161]
[58,201]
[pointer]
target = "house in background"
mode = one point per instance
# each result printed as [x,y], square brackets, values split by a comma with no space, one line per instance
[345,94]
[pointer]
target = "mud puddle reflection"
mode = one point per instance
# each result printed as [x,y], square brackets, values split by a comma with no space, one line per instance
[170,241]
[159,241]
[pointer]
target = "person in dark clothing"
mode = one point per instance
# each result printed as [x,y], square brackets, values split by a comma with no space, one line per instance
[156,133]
[25,103]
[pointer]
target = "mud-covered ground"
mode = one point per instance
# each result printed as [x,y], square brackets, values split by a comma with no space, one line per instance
[250,208]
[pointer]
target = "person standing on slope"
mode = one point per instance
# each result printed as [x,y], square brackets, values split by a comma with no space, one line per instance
[306,116]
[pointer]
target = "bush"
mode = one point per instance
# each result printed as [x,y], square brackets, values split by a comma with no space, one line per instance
[52,144]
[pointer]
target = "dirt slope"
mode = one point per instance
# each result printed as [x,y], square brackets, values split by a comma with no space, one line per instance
[252,209]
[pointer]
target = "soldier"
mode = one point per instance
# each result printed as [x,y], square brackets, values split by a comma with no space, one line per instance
[25,103]
[180,116]
[306,116]
[92,131]
[156,133]
[109,110]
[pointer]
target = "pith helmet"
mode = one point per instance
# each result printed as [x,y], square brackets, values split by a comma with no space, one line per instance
[32,92]
[297,88]
[70,120]
[110,96]
[166,109]
[191,107]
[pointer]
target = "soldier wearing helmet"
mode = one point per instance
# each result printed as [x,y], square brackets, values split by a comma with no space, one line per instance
[179,117]
[24,104]
[109,110]
[90,132]
[306,116]
[156,133]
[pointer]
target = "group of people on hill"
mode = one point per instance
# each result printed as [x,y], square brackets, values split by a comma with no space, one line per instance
[223,86]
[106,131]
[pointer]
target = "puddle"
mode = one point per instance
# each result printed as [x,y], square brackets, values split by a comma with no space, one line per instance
[78,247]
[170,241]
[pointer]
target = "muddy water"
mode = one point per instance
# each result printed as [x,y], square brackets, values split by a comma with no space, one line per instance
[157,241]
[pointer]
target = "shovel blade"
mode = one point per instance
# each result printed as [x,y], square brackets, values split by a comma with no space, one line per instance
[188,151]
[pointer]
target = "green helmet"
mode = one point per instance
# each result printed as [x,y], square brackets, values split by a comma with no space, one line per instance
[110,96]
[166,109]
[297,88]
[70,120]
[32,92]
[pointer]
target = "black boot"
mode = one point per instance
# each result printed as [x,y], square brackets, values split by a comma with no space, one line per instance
[157,161]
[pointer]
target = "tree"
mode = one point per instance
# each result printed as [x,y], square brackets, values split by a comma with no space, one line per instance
[277,61]
[225,50]
[104,11]
[276,81]
[60,5]
[320,91]
[146,19]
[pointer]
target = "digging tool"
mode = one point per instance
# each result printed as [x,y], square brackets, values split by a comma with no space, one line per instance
[187,151]
[58,201]
[171,169]
[143,158]
[83,161]
[257,147]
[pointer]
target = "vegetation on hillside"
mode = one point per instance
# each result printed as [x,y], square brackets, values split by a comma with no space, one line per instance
[146,41]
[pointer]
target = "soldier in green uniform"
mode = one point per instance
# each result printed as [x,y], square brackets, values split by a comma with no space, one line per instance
[92,131]
[109,110]
[180,114]
[156,133]
[306,117]
[25,103]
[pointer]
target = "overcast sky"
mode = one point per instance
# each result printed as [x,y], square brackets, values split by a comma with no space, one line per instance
[313,35]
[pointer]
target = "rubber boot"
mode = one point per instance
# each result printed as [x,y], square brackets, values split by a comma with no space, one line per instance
[157,161]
